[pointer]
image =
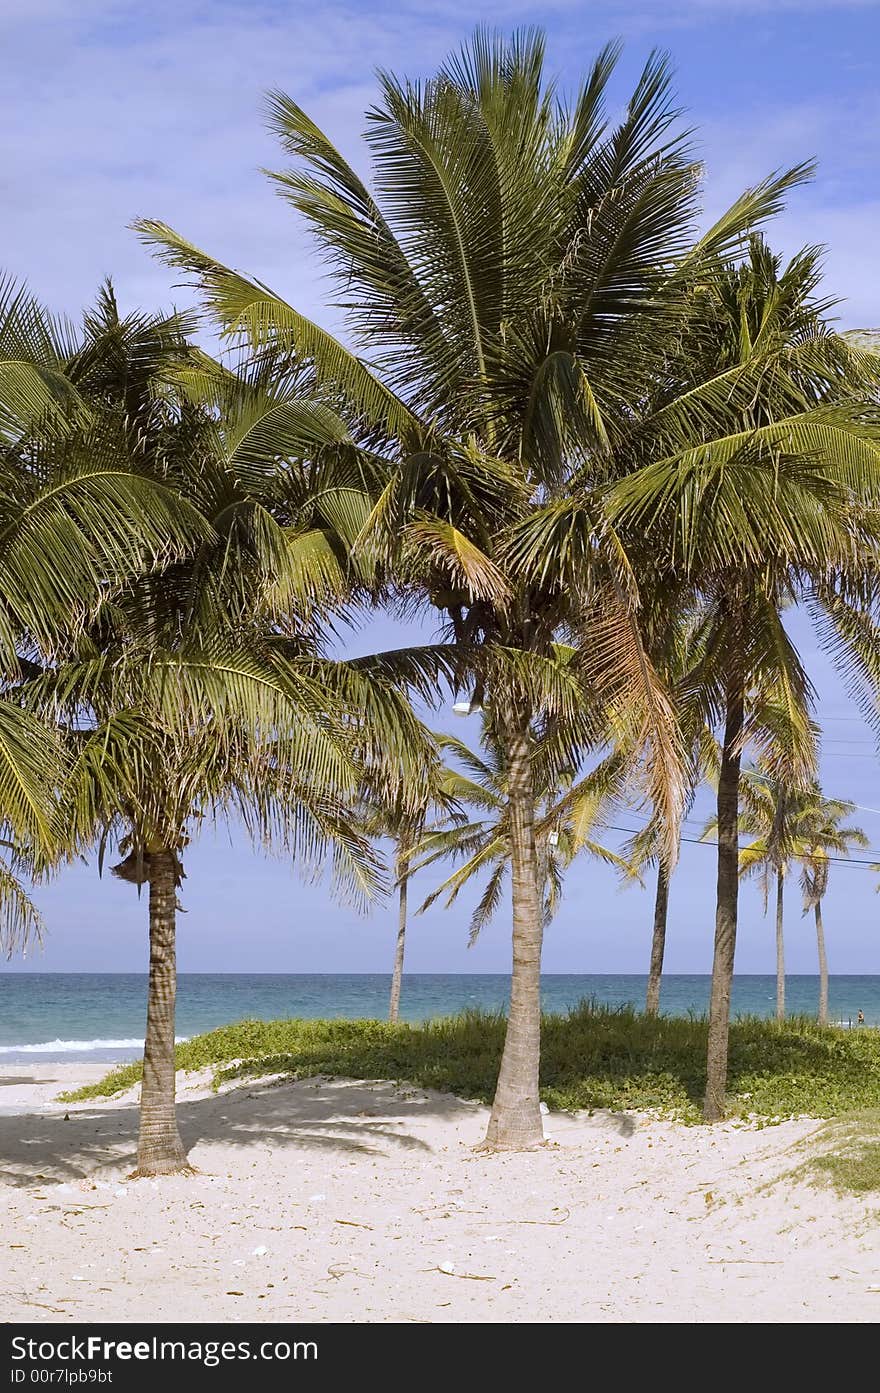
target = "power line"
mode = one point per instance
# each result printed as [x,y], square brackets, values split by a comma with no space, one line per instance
[827,760]
[821,717]
[698,841]
[861,807]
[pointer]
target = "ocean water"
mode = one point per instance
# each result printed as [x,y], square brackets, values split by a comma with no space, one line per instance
[52,1016]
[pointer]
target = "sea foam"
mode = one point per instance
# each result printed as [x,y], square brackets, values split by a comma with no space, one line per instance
[78,1046]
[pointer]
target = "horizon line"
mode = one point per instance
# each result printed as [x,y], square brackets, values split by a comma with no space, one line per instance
[125,972]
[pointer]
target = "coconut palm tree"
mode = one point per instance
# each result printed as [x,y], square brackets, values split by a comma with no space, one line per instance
[176,735]
[200,686]
[512,293]
[567,821]
[645,848]
[822,834]
[404,825]
[675,636]
[790,515]
[792,826]
[78,517]
[407,831]
[768,814]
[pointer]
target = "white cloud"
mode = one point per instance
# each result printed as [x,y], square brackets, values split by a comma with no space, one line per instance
[120,109]
[165,119]
[839,209]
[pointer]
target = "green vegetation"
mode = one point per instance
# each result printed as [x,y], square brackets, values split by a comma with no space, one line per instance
[853,1161]
[593,1057]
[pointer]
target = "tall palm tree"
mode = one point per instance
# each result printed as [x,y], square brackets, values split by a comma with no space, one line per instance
[790,514]
[78,517]
[404,824]
[567,821]
[821,835]
[770,811]
[512,292]
[767,814]
[645,848]
[407,831]
[793,826]
[675,636]
[200,686]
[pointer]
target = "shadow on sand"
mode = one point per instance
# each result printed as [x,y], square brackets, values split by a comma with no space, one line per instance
[100,1141]
[8,1080]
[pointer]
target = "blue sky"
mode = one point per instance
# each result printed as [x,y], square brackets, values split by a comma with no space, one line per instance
[119,109]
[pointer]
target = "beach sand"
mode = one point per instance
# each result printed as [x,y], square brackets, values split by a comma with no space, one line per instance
[331,1200]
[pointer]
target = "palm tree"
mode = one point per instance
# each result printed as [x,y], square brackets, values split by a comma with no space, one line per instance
[770,809]
[645,848]
[405,826]
[176,735]
[407,830]
[767,813]
[199,687]
[567,819]
[516,287]
[788,514]
[675,638]
[793,825]
[78,517]
[821,836]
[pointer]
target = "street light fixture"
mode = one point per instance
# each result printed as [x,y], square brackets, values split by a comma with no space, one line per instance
[466,708]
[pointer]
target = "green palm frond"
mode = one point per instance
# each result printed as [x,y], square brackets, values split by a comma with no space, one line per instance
[35,390]
[21,923]
[488,903]
[88,529]
[32,766]
[248,310]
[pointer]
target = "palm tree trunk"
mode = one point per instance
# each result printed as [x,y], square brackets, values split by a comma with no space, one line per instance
[397,974]
[658,941]
[726,910]
[823,965]
[515,1121]
[160,1150]
[780,950]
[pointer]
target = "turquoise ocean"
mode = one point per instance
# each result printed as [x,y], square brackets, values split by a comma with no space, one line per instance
[54,1016]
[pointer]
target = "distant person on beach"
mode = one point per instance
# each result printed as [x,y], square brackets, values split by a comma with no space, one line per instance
[860,1018]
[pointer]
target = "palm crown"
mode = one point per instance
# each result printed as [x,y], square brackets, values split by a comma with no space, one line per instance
[570,815]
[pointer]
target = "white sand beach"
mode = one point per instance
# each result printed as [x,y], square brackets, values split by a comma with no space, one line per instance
[350,1201]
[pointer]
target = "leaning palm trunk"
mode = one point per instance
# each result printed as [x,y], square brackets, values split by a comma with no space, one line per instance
[726,910]
[160,1150]
[397,974]
[516,1112]
[780,950]
[823,965]
[658,940]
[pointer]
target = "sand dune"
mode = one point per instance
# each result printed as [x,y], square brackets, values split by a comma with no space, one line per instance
[334,1200]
